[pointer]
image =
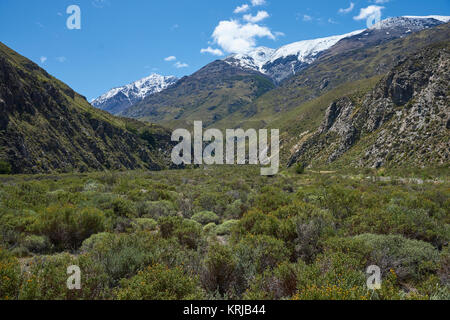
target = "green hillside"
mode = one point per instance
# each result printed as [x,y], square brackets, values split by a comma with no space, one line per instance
[47,127]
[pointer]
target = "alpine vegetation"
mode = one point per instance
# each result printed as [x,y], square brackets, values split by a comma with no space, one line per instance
[213,153]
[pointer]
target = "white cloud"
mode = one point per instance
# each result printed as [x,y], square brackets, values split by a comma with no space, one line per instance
[369,12]
[261,15]
[381,1]
[61,59]
[330,20]
[349,9]
[258,2]
[171,58]
[235,37]
[243,8]
[100,3]
[215,52]
[180,65]
[43,59]
[307,18]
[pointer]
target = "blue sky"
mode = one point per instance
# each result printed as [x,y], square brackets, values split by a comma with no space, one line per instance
[122,41]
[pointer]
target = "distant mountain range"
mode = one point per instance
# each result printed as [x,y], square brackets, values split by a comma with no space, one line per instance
[118,99]
[276,64]
[370,98]
[217,95]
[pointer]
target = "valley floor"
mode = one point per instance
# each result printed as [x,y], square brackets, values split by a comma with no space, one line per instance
[226,233]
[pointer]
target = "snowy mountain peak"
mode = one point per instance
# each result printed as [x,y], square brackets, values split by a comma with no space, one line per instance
[117,99]
[411,22]
[262,59]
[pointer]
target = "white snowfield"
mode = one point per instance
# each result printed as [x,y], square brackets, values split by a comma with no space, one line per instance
[139,89]
[305,50]
[444,19]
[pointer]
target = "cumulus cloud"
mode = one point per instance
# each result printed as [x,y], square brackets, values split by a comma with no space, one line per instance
[258,2]
[235,37]
[241,9]
[180,65]
[347,10]
[43,59]
[261,15]
[368,12]
[215,52]
[170,58]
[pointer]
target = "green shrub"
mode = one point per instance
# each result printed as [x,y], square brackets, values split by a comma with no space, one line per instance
[255,254]
[47,279]
[300,168]
[37,244]
[210,228]
[188,232]
[279,283]
[158,282]
[220,266]
[409,258]
[5,167]
[67,226]
[156,209]
[9,276]
[123,208]
[226,227]
[144,224]
[205,217]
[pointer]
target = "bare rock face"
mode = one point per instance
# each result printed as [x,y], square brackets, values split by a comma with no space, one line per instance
[404,120]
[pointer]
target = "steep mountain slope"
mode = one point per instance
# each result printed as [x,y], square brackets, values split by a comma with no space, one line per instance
[404,120]
[335,68]
[47,127]
[118,99]
[288,60]
[210,94]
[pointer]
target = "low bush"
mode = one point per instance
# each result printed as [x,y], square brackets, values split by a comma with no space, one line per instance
[10,277]
[158,282]
[205,217]
[67,226]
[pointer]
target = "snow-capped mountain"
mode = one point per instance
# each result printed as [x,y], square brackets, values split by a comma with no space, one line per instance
[118,99]
[284,62]
[279,63]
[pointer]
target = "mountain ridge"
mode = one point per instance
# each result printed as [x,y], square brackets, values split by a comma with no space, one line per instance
[405,119]
[119,98]
[46,127]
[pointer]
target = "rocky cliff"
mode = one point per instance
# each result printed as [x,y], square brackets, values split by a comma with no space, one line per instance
[404,120]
